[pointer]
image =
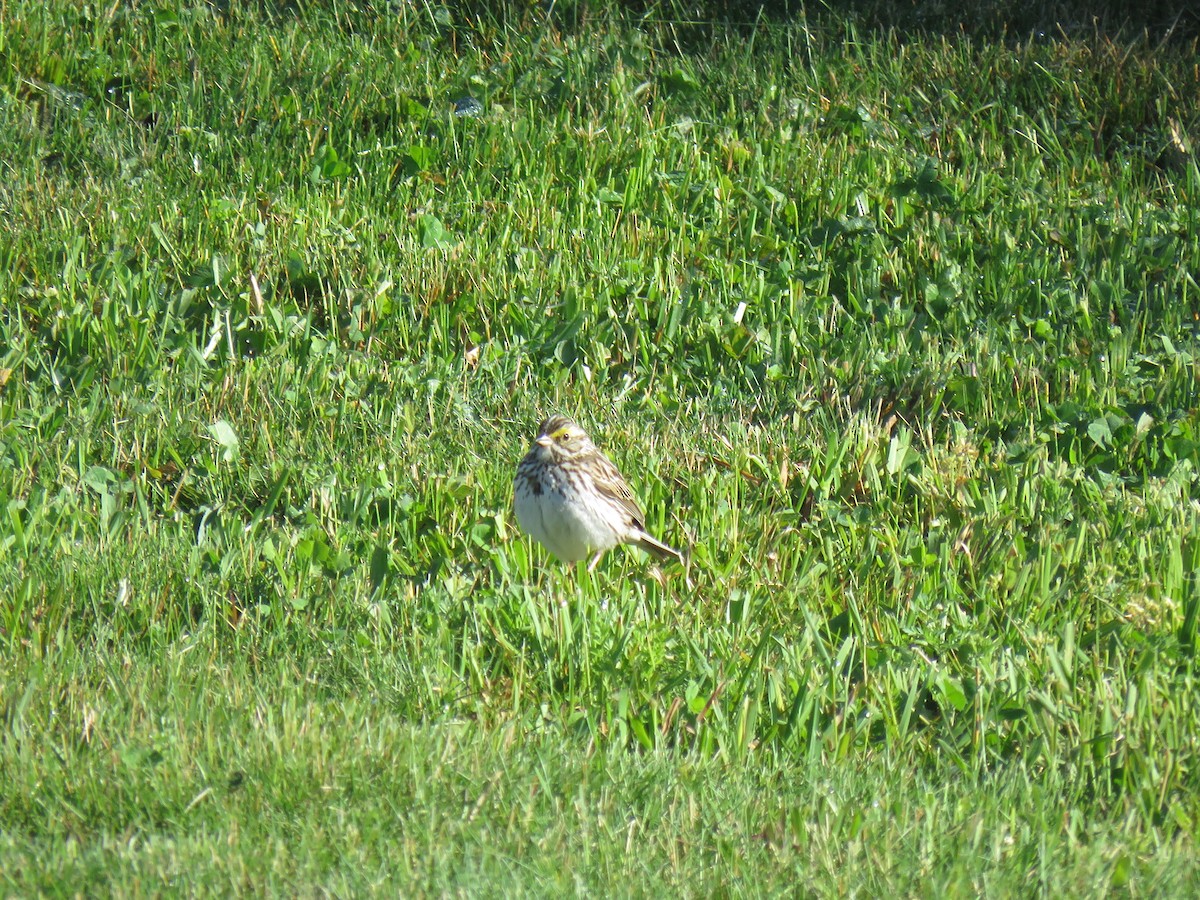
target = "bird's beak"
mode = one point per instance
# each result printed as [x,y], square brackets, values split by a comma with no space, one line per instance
[544,441]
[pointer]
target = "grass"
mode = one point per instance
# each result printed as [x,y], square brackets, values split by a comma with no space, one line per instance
[895,331]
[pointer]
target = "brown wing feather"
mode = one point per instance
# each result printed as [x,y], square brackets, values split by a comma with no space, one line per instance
[610,484]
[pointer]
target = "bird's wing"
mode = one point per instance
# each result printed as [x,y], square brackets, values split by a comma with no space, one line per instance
[610,484]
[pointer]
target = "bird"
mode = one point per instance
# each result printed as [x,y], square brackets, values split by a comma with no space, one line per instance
[570,497]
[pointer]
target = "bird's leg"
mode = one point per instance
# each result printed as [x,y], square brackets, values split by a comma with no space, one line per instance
[595,560]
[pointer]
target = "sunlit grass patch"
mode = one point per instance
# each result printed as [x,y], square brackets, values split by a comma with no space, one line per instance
[893,333]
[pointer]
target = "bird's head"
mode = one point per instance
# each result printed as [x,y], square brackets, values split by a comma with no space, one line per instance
[560,438]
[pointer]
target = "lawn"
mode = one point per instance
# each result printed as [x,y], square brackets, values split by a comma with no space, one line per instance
[894,330]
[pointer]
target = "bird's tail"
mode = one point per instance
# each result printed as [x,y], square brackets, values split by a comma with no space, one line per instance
[658,549]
